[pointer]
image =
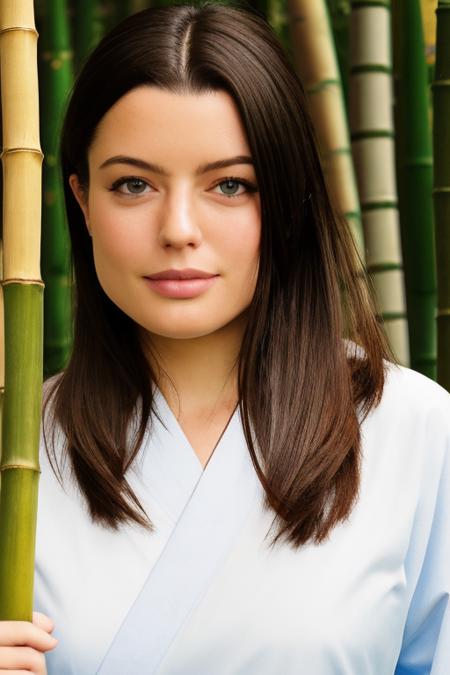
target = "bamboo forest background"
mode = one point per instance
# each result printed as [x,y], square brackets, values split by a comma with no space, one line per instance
[379,104]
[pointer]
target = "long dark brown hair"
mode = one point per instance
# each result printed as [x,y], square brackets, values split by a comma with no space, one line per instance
[302,394]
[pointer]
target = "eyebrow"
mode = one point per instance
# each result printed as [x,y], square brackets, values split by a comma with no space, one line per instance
[156,168]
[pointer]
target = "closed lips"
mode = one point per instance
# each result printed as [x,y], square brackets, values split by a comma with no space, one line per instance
[182,274]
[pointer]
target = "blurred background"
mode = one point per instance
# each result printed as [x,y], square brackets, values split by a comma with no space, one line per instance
[374,73]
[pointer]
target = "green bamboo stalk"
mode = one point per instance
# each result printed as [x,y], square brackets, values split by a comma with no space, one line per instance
[55,78]
[441,191]
[277,17]
[415,182]
[93,18]
[373,146]
[316,64]
[339,11]
[23,292]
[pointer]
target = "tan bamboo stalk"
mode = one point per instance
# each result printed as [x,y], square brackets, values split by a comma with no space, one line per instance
[372,127]
[316,63]
[428,8]
[23,293]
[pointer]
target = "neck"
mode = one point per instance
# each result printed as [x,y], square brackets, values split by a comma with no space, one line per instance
[198,373]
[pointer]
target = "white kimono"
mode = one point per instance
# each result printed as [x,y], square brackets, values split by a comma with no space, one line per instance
[205,594]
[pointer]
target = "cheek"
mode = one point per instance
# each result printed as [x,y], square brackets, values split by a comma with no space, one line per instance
[116,239]
[241,239]
[243,251]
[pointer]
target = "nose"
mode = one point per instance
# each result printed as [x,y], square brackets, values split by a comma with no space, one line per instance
[179,225]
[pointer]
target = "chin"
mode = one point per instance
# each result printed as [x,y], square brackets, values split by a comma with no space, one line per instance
[186,332]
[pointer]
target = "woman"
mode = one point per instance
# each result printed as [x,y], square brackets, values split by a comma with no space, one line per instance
[231,486]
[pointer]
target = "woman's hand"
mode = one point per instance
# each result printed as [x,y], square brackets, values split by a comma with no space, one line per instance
[23,643]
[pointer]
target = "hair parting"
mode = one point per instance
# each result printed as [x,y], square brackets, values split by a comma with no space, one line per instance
[311,365]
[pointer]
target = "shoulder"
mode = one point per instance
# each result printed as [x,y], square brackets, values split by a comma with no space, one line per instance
[411,393]
[406,391]
[410,428]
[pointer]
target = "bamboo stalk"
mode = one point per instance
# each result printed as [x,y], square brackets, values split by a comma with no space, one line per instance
[55,77]
[415,182]
[92,19]
[23,291]
[2,354]
[316,63]
[2,309]
[339,11]
[428,11]
[276,16]
[372,128]
[441,191]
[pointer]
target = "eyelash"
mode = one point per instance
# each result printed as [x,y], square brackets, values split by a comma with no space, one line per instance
[127,179]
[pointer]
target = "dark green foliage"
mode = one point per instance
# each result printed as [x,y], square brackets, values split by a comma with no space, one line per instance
[441,142]
[415,178]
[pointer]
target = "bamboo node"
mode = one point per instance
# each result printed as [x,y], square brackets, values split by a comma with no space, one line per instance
[5,467]
[51,161]
[440,83]
[10,151]
[443,312]
[322,86]
[438,190]
[61,55]
[36,282]
[12,28]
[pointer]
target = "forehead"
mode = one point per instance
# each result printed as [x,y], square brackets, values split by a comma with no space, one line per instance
[164,125]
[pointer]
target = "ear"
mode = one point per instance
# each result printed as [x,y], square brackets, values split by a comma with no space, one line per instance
[81,197]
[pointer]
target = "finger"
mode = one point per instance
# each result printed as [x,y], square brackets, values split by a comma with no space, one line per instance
[24,658]
[18,633]
[43,621]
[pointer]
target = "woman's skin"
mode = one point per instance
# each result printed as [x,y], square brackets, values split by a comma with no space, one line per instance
[158,222]
[23,645]
[178,221]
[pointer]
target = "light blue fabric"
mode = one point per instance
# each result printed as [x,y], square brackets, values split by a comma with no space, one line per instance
[426,645]
[207,528]
[373,599]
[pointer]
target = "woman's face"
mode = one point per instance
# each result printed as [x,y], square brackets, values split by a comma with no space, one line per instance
[155,208]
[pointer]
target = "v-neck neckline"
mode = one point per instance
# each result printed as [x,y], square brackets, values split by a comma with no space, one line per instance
[173,425]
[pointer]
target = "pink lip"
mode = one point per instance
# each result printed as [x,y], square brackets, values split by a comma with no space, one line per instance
[187,283]
[182,274]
